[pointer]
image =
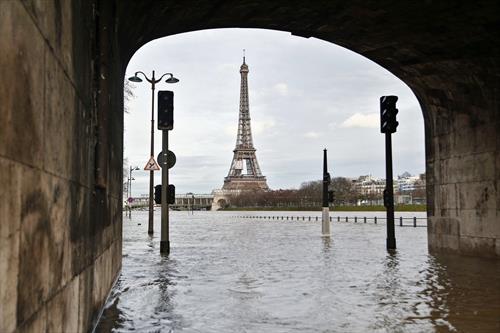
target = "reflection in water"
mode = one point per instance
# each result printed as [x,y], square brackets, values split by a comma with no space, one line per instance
[469,289]
[245,275]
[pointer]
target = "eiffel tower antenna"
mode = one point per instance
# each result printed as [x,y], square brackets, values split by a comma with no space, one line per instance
[244,173]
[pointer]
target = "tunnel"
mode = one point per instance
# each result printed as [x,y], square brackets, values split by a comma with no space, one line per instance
[61,127]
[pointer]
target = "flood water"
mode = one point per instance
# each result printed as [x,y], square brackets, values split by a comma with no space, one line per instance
[231,274]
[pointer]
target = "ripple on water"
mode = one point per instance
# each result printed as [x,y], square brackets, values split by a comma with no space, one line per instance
[241,275]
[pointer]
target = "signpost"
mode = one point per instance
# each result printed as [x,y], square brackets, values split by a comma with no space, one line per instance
[151,165]
[171,159]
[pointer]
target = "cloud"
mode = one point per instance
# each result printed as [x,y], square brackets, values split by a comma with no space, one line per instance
[259,126]
[281,88]
[231,130]
[370,120]
[312,135]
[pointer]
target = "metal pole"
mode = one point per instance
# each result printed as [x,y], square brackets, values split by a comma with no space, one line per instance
[164,240]
[130,193]
[151,172]
[391,238]
[325,225]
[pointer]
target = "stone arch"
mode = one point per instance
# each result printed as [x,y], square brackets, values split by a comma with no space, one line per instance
[63,63]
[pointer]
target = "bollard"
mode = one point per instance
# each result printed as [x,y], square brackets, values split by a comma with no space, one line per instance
[330,219]
[316,218]
[375,219]
[400,221]
[414,221]
[346,219]
[309,218]
[303,218]
[364,219]
[338,218]
[355,219]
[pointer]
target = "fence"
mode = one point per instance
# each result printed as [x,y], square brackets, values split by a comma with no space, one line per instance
[399,221]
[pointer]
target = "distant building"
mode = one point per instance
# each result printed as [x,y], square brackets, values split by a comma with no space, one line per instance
[408,189]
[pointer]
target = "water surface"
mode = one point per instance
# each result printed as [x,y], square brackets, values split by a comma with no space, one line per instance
[231,274]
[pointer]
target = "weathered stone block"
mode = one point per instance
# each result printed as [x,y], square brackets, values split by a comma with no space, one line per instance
[83,146]
[34,255]
[478,246]
[468,168]
[62,309]
[10,208]
[102,277]
[21,88]
[36,324]
[479,139]
[59,114]
[9,268]
[85,301]
[448,197]
[473,224]
[479,196]
[443,225]
[60,270]
[445,243]
[55,23]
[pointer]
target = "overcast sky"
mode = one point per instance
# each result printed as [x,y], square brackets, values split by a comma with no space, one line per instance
[305,95]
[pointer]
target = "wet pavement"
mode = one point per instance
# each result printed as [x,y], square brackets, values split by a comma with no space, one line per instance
[227,274]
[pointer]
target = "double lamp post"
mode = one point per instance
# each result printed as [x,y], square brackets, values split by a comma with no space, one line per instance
[153,81]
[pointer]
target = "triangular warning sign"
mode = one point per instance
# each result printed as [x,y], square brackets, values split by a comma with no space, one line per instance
[152,165]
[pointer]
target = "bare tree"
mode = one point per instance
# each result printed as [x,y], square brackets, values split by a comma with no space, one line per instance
[128,94]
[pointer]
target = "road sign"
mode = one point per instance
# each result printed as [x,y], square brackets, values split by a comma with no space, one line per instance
[151,165]
[171,159]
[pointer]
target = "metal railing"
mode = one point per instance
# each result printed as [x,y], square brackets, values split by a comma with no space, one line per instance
[399,221]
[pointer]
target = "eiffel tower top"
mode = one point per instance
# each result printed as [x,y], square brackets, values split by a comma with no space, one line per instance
[244,137]
[244,67]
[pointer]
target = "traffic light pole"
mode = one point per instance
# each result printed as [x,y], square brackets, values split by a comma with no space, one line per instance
[325,226]
[391,238]
[164,241]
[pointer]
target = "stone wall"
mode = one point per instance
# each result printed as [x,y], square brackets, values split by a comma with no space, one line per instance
[463,162]
[60,218]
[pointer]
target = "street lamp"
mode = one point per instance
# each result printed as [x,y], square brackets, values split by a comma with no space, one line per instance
[153,82]
[130,179]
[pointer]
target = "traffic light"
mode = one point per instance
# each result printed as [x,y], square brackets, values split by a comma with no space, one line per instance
[171,194]
[331,196]
[386,198]
[388,112]
[165,110]
[158,194]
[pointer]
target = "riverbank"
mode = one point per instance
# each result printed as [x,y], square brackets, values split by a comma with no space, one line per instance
[398,208]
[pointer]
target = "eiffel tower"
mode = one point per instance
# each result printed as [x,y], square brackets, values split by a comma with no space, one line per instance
[244,173]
